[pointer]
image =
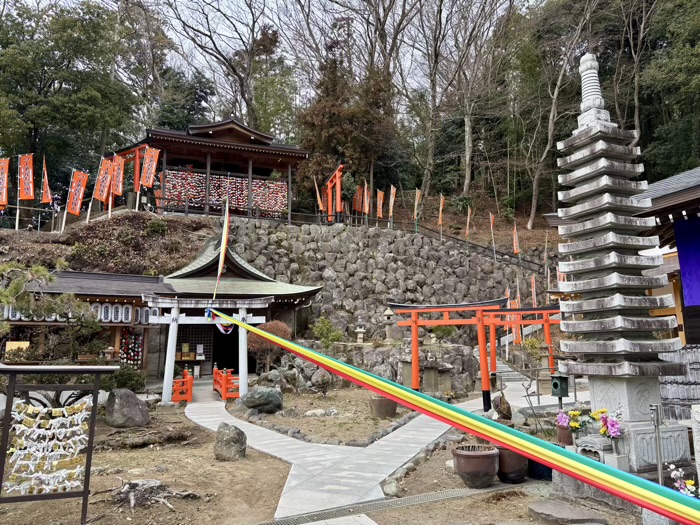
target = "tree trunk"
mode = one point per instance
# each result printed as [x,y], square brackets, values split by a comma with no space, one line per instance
[428,172]
[468,150]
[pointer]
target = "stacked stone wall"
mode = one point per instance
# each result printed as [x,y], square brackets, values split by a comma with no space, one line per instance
[363,269]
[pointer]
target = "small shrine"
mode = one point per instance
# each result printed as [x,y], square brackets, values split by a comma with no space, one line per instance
[201,166]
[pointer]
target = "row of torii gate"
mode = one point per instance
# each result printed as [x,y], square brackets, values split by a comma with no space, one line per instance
[483,315]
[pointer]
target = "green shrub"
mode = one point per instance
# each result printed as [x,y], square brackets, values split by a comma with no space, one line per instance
[126,377]
[157,227]
[462,203]
[325,332]
[444,332]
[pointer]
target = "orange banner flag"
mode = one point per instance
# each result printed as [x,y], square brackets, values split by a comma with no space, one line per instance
[415,206]
[516,244]
[367,198]
[380,204]
[469,218]
[533,285]
[442,204]
[117,175]
[46,196]
[26,177]
[150,163]
[392,198]
[78,182]
[104,181]
[4,178]
[318,197]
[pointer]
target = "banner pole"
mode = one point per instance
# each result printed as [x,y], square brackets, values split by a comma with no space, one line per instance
[87,219]
[65,214]
[18,190]
[109,206]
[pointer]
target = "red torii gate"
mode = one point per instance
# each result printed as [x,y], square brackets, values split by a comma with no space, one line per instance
[486,313]
[334,184]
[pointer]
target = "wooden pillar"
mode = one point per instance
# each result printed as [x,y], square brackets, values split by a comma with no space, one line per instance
[250,188]
[206,185]
[415,356]
[137,177]
[483,361]
[492,346]
[289,194]
[165,168]
[338,196]
[170,355]
[329,200]
[548,340]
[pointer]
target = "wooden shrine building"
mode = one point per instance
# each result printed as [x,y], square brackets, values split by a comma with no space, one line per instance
[199,167]
[135,311]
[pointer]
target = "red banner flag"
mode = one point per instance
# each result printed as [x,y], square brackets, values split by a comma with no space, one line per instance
[117,175]
[516,244]
[46,196]
[380,204]
[442,204]
[148,169]
[104,181]
[78,182]
[415,206]
[469,218]
[392,198]
[4,177]
[26,177]
[533,285]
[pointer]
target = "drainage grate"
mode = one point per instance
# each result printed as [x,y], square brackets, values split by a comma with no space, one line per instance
[384,504]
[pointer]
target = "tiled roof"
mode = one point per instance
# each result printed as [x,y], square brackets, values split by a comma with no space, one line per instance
[676,183]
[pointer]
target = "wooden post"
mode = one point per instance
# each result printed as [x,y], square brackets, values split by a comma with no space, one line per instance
[492,345]
[415,356]
[548,340]
[483,361]
[289,194]
[338,197]
[206,185]
[250,187]
[137,177]
[164,159]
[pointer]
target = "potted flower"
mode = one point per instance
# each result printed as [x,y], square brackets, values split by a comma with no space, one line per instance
[564,435]
[610,428]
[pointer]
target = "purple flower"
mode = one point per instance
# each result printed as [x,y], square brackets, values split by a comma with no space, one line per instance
[614,429]
[563,419]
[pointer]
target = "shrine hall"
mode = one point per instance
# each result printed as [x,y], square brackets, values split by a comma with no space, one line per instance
[206,163]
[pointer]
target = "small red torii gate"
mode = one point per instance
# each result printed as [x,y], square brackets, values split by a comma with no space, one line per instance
[334,184]
[486,313]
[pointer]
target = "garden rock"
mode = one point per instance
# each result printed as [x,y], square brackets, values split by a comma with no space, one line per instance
[321,379]
[392,489]
[230,444]
[124,410]
[319,412]
[263,399]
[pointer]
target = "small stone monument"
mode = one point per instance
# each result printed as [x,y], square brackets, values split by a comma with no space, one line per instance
[607,321]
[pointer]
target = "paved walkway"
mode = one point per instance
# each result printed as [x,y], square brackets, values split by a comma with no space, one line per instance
[327,476]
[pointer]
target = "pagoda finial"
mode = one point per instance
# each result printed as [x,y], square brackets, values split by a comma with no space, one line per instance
[592,103]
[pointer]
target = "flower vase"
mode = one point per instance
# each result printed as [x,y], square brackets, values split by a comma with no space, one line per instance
[564,436]
[574,435]
[615,446]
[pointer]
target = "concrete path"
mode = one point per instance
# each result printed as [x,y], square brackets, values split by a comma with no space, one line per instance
[327,476]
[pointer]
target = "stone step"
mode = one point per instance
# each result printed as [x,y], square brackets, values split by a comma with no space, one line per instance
[554,511]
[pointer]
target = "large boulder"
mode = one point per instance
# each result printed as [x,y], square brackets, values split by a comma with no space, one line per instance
[230,443]
[321,380]
[125,410]
[263,399]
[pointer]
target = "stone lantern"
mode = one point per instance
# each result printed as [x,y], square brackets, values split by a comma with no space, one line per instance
[388,322]
[608,325]
[360,329]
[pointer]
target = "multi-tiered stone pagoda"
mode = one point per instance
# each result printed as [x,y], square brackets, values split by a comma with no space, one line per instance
[607,322]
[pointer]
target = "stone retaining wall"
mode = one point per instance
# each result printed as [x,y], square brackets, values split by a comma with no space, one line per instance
[362,269]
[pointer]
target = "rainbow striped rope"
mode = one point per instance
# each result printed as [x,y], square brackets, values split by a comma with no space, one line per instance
[624,485]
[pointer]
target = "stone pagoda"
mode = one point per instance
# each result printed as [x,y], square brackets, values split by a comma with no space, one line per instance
[607,323]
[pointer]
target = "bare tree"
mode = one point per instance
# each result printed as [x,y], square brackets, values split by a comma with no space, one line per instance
[569,46]
[225,32]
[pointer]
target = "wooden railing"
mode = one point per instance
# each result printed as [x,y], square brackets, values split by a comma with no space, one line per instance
[182,388]
[226,384]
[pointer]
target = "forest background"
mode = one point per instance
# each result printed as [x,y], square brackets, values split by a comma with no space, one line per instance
[461,97]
